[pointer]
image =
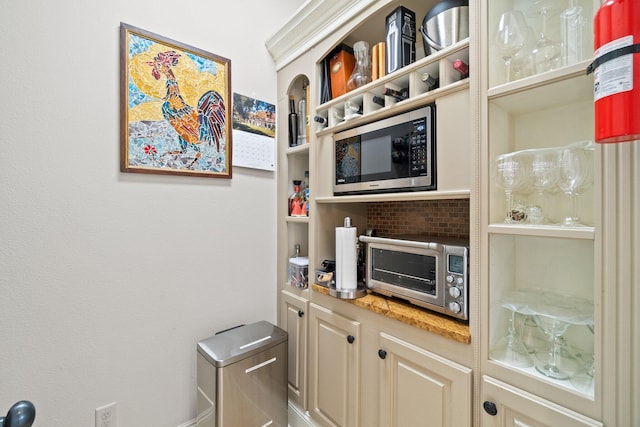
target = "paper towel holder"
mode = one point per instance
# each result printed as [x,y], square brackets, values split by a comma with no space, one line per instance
[359,292]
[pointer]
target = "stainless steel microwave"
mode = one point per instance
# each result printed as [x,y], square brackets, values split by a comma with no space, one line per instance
[396,154]
[430,273]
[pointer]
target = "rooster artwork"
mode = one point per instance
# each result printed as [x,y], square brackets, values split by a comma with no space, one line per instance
[178,108]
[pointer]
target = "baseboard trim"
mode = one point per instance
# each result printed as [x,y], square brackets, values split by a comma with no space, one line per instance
[299,418]
[296,418]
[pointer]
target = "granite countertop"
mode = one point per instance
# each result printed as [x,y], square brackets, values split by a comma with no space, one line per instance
[410,314]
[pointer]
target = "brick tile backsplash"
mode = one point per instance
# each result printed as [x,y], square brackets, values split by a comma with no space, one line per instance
[441,218]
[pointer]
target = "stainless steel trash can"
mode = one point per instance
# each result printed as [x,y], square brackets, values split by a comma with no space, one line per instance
[242,377]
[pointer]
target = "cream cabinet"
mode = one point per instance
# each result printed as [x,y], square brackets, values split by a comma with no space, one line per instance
[294,315]
[362,375]
[321,391]
[518,243]
[542,329]
[334,368]
[519,408]
[419,388]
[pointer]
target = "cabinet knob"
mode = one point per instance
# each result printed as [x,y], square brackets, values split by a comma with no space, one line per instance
[300,313]
[490,408]
[350,339]
[382,354]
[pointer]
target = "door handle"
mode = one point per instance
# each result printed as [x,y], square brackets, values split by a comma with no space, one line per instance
[490,408]
[350,339]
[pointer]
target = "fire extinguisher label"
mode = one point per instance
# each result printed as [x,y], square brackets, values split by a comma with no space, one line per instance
[616,75]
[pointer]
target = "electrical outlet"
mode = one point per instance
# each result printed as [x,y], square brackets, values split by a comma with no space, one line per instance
[106,415]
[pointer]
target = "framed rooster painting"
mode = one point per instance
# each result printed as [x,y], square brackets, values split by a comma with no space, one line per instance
[175,108]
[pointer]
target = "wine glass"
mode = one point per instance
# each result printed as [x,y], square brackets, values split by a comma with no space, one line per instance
[547,51]
[530,334]
[522,61]
[575,174]
[554,312]
[554,328]
[543,176]
[510,349]
[510,175]
[510,37]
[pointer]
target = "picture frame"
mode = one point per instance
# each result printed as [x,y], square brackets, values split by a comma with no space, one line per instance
[175,107]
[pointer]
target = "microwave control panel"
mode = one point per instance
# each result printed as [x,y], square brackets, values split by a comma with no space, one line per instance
[419,151]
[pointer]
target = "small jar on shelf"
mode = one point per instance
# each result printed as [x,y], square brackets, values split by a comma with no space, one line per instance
[298,269]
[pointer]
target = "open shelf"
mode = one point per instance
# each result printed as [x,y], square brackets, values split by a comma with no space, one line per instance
[438,64]
[587,233]
[396,197]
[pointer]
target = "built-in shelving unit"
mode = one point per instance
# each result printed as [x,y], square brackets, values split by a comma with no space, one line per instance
[479,118]
[542,112]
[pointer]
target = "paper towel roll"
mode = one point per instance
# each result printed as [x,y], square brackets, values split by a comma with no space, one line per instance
[346,258]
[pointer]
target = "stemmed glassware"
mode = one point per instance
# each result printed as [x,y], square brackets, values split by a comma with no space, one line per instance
[547,52]
[554,328]
[543,176]
[544,171]
[510,173]
[530,334]
[575,166]
[522,61]
[510,349]
[509,38]
[554,314]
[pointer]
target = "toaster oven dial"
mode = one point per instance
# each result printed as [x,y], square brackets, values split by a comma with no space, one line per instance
[455,307]
[455,292]
[457,280]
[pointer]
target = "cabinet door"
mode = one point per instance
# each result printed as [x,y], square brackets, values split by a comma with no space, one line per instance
[507,406]
[419,388]
[294,321]
[335,368]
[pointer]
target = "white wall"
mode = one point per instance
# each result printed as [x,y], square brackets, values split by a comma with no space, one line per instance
[108,280]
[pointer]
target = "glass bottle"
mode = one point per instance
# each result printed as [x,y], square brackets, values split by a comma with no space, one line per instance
[293,123]
[572,30]
[295,200]
[304,190]
[362,71]
[431,81]
[302,119]
[460,66]
[400,95]
[378,100]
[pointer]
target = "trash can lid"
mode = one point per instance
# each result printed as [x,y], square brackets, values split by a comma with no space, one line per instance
[237,344]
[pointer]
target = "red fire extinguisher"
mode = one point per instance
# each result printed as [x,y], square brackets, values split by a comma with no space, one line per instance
[616,71]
